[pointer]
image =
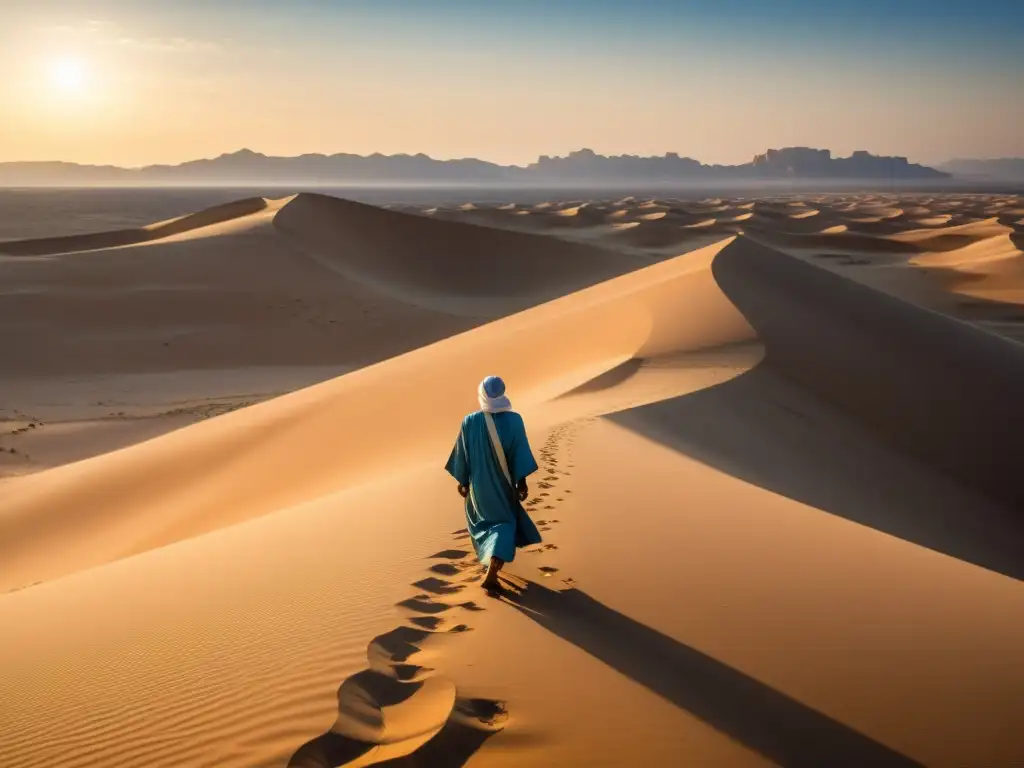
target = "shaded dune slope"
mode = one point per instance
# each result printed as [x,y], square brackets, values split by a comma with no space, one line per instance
[938,388]
[931,388]
[439,257]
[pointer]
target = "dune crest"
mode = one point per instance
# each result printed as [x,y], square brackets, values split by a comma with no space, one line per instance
[168,500]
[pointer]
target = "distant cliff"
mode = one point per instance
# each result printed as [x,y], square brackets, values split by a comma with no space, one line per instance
[584,166]
[802,162]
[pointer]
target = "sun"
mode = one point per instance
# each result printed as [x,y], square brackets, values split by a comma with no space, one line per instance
[69,75]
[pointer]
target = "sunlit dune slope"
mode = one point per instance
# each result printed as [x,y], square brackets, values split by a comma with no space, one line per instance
[326,438]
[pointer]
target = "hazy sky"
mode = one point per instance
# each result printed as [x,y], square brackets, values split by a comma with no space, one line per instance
[133,82]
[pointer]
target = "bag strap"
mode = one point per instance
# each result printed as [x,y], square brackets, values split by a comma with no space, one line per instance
[499,452]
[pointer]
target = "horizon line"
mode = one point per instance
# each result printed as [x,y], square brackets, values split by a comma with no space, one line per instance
[665,155]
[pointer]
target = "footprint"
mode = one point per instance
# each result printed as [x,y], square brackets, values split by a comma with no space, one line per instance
[405,652]
[437,586]
[446,569]
[449,554]
[379,720]
[485,714]
[470,724]
[432,623]
[429,607]
[370,707]
[438,624]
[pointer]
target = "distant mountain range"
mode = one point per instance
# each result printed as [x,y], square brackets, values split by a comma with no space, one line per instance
[998,169]
[584,166]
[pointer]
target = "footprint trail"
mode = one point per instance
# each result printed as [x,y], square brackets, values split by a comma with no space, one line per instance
[400,709]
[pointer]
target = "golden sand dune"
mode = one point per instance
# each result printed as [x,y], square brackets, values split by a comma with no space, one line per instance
[105,240]
[106,347]
[33,516]
[298,283]
[750,465]
[704,223]
[829,239]
[934,221]
[991,269]
[445,265]
[668,235]
[848,230]
[951,237]
[980,255]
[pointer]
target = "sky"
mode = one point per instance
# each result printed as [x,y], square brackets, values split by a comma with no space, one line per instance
[137,82]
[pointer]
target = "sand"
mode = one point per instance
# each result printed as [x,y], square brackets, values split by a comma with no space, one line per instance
[777,490]
[262,296]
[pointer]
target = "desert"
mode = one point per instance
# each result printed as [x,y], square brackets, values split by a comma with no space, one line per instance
[779,439]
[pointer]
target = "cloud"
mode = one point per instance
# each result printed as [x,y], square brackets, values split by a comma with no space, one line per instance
[169,44]
[102,32]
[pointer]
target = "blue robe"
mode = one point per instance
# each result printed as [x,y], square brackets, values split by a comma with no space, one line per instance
[496,524]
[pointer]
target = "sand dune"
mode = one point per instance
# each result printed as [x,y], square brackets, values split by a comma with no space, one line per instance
[104,240]
[441,264]
[780,517]
[33,515]
[312,285]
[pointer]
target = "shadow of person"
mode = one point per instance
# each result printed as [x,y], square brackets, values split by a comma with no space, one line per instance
[765,720]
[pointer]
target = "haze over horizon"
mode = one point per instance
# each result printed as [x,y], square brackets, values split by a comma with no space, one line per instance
[123,85]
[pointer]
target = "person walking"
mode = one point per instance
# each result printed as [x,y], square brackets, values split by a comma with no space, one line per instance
[490,462]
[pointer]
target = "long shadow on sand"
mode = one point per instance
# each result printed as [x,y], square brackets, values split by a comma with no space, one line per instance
[765,720]
[765,430]
[872,409]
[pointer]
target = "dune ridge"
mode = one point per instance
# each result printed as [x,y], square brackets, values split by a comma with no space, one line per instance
[103,240]
[870,237]
[251,441]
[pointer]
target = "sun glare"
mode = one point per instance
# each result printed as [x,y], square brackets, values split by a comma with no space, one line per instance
[68,75]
